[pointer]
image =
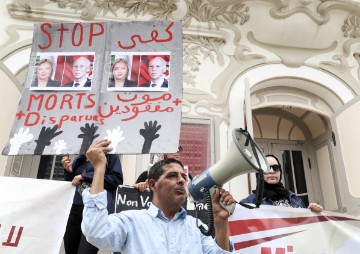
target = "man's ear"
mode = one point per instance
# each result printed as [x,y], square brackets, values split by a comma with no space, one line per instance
[151,184]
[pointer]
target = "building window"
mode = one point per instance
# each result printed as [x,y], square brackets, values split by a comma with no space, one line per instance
[195,140]
[50,168]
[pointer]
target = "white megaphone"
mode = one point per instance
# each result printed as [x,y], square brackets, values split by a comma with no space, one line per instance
[243,156]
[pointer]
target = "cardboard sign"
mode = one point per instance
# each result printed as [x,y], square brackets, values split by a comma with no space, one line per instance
[33,214]
[272,230]
[116,80]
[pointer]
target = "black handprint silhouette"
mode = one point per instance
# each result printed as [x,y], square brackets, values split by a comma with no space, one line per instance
[45,136]
[149,134]
[88,136]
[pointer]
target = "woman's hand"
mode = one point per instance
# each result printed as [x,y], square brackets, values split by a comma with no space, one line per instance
[316,208]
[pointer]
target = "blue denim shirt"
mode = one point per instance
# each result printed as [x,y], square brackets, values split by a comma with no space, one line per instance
[142,231]
[295,201]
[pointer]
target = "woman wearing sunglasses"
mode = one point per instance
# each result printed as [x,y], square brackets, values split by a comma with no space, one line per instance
[274,192]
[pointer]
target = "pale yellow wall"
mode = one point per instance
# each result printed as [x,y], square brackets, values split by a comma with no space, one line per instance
[348,126]
[326,179]
[9,99]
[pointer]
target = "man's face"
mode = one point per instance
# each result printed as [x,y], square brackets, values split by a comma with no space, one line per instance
[156,69]
[170,187]
[80,68]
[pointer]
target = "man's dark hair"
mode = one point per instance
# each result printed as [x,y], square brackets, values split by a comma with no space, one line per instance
[157,169]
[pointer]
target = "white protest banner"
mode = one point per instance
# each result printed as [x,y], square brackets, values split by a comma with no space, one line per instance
[33,214]
[283,230]
[116,80]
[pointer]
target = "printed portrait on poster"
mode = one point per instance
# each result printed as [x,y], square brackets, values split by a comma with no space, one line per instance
[63,71]
[154,73]
[123,75]
[139,72]
[44,73]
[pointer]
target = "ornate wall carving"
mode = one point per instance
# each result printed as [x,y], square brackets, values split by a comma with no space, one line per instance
[227,36]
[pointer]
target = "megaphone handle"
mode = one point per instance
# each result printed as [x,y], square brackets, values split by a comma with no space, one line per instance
[230,208]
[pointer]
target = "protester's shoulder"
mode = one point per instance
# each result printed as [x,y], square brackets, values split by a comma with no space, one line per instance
[249,199]
[112,157]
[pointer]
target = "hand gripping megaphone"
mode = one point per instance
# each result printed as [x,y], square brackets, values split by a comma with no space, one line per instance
[243,156]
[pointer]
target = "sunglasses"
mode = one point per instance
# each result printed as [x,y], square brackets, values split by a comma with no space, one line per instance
[275,167]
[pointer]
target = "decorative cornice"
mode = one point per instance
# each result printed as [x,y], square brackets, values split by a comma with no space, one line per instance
[194,46]
[202,11]
[351,27]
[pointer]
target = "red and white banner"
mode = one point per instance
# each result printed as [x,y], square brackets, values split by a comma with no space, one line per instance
[33,214]
[283,230]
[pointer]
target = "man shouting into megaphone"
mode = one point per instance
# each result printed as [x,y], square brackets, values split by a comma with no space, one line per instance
[164,227]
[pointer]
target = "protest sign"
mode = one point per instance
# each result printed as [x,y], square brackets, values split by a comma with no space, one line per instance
[33,214]
[282,230]
[129,198]
[116,80]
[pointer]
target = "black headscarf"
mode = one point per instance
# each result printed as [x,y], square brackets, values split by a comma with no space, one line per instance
[275,191]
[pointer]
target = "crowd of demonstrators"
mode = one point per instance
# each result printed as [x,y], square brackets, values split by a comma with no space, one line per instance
[163,228]
[274,191]
[81,173]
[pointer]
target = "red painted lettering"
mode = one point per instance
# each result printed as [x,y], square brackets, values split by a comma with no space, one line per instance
[66,99]
[62,29]
[267,250]
[80,35]
[52,120]
[34,97]
[9,240]
[32,119]
[92,33]
[80,96]
[51,102]
[42,28]
[63,119]
[92,102]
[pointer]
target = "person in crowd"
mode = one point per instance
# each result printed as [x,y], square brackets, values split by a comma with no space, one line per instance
[80,70]
[156,69]
[44,71]
[164,227]
[142,183]
[81,173]
[120,71]
[274,191]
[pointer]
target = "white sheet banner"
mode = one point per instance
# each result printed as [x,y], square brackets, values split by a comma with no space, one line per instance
[33,214]
[282,230]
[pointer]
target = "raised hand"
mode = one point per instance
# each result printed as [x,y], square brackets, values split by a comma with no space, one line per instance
[45,137]
[115,136]
[21,137]
[59,146]
[66,163]
[88,135]
[149,134]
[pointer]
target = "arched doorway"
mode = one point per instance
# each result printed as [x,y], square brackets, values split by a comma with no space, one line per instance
[291,118]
